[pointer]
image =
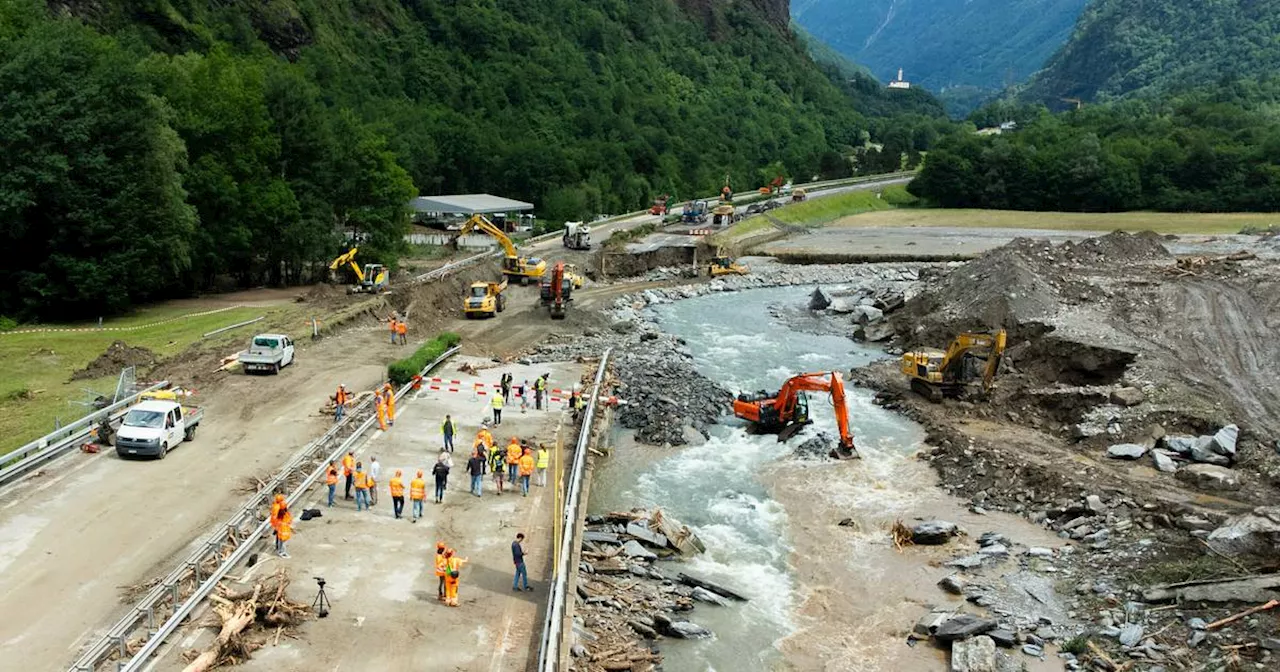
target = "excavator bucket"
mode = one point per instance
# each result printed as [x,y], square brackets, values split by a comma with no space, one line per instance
[790,431]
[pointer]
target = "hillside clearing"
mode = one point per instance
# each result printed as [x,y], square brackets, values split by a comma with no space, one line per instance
[1160,222]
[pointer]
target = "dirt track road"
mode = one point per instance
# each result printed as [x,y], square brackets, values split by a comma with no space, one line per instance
[71,539]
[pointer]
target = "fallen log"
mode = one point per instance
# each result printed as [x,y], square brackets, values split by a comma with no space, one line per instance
[1248,589]
[1247,612]
[235,619]
[707,585]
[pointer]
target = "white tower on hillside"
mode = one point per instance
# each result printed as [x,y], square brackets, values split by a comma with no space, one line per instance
[899,83]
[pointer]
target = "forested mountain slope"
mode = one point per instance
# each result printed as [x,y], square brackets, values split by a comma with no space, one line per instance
[154,147]
[943,44]
[1123,47]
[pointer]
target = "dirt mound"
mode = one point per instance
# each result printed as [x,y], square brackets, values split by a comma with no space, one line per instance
[321,292]
[1115,247]
[117,356]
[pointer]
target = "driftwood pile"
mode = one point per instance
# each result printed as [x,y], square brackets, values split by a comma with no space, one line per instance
[247,620]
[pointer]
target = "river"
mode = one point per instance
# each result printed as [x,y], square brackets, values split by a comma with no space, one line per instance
[821,596]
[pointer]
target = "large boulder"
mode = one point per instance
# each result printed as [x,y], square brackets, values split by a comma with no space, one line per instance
[1223,442]
[1256,533]
[1210,477]
[843,304]
[818,300]
[867,314]
[963,626]
[933,532]
[1203,451]
[1128,396]
[1126,451]
[974,655]
[1164,461]
[1179,444]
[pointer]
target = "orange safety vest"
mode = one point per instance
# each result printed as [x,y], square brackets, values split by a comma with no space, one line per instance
[362,480]
[392,325]
[526,464]
[441,563]
[347,463]
[513,453]
[331,478]
[285,531]
[275,515]
[454,567]
[417,489]
[397,487]
[341,396]
[401,328]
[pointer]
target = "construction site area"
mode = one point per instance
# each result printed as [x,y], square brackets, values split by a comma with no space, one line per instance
[753,445]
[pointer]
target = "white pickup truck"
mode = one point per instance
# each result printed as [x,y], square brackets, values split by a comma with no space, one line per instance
[267,353]
[153,427]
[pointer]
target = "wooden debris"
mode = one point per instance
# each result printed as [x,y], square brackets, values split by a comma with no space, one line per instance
[900,534]
[247,620]
[1247,612]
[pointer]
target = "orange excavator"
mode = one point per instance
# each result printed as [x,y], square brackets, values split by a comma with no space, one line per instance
[787,410]
[556,291]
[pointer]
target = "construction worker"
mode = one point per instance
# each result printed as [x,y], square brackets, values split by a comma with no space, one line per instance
[340,399]
[517,557]
[392,322]
[382,409]
[442,564]
[544,456]
[453,570]
[389,394]
[441,473]
[331,480]
[375,477]
[475,467]
[284,529]
[497,409]
[362,487]
[417,494]
[526,470]
[523,392]
[348,463]
[276,504]
[402,333]
[506,388]
[397,493]
[497,460]
[539,391]
[446,430]
[513,459]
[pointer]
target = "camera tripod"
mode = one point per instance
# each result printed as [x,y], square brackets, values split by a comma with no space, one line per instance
[321,604]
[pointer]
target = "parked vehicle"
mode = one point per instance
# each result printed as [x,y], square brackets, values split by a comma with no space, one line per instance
[154,427]
[267,353]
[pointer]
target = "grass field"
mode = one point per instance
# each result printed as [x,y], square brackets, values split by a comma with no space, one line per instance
[819,211]
[36,388]
[1160,222]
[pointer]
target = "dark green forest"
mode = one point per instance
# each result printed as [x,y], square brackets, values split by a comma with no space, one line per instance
[154,148]
[1213,149]
[1124,47]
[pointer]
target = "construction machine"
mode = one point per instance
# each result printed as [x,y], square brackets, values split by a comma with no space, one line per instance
[577,236]
[786,411]
[575,278]
[659,206]
[485,299]
[695,212]
[972,358]
[726,192]
[514,266]
[723,264]
[556,291]
[372,279]
[723,215]
[798,195]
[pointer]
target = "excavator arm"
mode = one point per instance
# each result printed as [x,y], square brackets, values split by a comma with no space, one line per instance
[479,222]
[784,403]
[987,346]
[348,257]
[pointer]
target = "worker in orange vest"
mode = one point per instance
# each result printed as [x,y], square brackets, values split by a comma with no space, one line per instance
[397,493]
[340,399]
[348,463]
[526,470]
[381,405]
[283,522]
[417,495]
[392,322]
[276,504]
[362,487]
[402,331]
[389,394]
[331,480]
[513,459]
[442,563]
[451,573]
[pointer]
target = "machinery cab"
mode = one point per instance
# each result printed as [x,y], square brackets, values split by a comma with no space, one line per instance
[375,277]
[798,195]
[723,215]
[924,364]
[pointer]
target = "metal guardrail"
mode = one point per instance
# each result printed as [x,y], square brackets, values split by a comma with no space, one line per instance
[552,627]
[234,539]
[54,444]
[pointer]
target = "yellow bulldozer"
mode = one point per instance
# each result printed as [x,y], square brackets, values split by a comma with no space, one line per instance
[971,359]
[485,299]
[723,264]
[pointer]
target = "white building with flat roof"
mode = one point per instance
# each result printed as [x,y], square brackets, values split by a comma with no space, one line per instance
[899,83]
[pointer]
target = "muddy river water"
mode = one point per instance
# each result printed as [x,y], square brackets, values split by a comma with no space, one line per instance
[822,596]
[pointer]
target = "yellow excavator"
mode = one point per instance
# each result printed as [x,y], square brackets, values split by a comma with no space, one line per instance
[373,278]
[723,264]
[972,358]
[485,299]
[514,267]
